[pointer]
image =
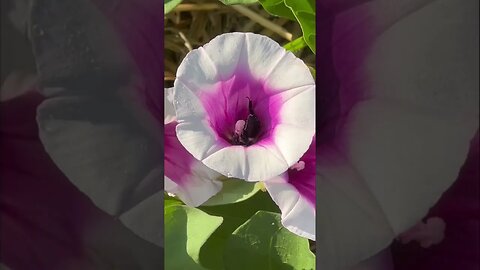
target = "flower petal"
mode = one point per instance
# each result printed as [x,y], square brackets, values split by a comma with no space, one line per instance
[351,223]
[142,222]
[185,176]
[103,150]
[420,164]
[169,110]
[44,217]
[459,208]
[72,52]
[139,26]
[224,55]
[298,215]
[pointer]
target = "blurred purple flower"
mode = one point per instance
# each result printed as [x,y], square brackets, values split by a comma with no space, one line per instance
[459,208]
[397,106]
[45,222]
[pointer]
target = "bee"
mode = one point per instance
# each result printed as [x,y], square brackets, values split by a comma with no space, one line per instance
[246,131]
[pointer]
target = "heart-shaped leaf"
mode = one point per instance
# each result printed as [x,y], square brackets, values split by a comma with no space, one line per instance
[304,12]
[186,230]
[277,8]
[233,216]
[263,243]
[301,11]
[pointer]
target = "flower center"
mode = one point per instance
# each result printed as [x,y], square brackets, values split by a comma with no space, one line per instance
[247,131]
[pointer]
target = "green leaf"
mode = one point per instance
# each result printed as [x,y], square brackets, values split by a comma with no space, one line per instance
[263,243]
[233,215]
[301,11]
[233,191]
[186,230]
[295,45]
[304,12]
[238,2]
[169,5]
[277,8]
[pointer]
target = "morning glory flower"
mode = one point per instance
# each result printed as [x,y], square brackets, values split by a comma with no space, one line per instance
[294,192]
[245,106]
[186,177]
[397,99]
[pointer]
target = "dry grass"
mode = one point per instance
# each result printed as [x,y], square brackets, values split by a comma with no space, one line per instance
[195,22]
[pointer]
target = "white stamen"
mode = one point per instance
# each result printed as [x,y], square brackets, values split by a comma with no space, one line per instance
[298,166]
[239,126]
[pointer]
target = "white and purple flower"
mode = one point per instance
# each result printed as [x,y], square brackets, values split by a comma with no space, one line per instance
[294,192]
[245,107]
